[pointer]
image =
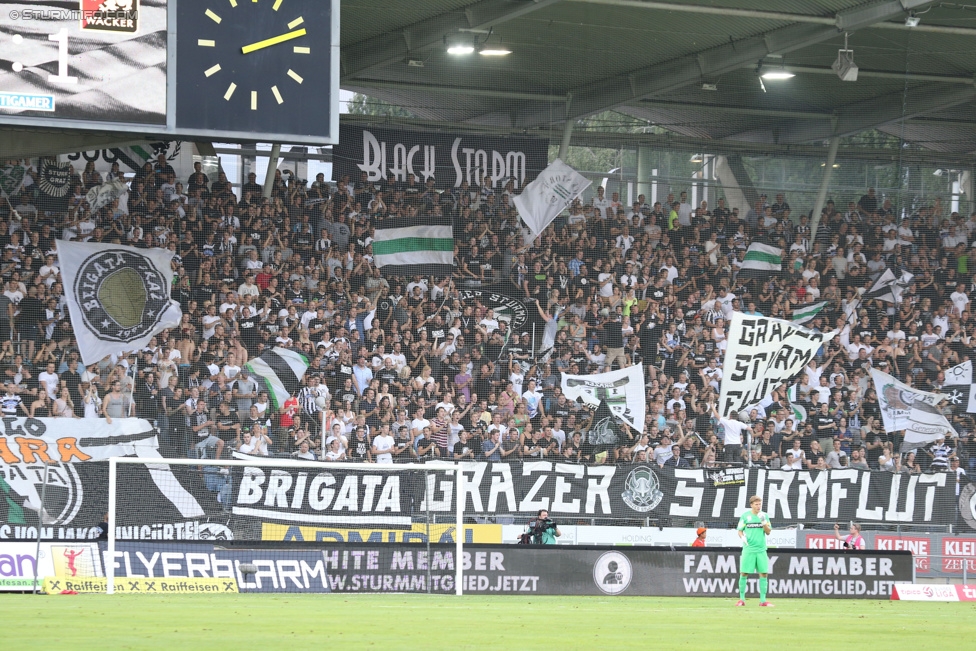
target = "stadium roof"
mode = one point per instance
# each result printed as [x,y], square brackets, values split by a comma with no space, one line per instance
[653,60]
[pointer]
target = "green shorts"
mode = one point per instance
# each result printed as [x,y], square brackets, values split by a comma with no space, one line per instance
[754,562]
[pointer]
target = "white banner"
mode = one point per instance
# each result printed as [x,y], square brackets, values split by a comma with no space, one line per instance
[548,195]
[106,193]
[763,353]
[895,400]
[118,296]
[623,391]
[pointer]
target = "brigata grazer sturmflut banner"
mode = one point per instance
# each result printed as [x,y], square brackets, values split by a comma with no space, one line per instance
[514,569]
[763,353]
[568,490]
[449,158]
[189,504]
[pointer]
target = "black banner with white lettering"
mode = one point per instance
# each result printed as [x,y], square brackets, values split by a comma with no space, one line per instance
[513,569]
[186,503]
[619,492]
[449,158]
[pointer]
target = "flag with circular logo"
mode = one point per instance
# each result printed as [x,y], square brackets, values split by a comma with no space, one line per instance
[118,296]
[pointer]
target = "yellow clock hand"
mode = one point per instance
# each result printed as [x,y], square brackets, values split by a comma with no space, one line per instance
[268,42]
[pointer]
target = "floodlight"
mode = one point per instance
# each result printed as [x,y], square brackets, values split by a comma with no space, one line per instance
[844,66]
[911,20]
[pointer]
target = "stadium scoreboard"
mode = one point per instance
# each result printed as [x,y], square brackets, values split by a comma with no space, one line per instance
[226,70]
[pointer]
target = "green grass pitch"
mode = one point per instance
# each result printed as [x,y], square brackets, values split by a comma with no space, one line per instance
[268,622]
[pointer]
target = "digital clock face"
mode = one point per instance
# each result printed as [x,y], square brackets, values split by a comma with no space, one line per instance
[234,70]
[244,64]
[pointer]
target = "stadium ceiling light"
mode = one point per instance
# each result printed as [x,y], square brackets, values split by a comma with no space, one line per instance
[494,51]
[775,74]
[460,46]
[912,19]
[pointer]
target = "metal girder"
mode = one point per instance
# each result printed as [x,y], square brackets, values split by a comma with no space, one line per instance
[388,48]
[895,107]
[670,75]
[738,110]
[16,142]
[367,84]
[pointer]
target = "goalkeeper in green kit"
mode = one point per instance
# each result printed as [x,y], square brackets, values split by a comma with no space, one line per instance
[753,528]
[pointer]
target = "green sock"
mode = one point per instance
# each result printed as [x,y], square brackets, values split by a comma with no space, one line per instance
[763,586]
[743,584]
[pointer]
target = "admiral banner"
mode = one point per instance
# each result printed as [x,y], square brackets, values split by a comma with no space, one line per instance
[623,391]
[450,159]
[763,353]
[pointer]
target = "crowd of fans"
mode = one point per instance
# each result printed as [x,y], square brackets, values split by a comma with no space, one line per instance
[404,369]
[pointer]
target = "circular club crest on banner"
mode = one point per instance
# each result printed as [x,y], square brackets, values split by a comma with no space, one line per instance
[506,308]
[121,293]
[612,573]
[967,505]
[642,489]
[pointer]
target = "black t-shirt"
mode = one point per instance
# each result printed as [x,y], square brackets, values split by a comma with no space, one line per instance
[226,434]
[613,332]
[461,448]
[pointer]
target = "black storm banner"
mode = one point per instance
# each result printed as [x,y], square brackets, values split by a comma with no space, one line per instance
[449,158]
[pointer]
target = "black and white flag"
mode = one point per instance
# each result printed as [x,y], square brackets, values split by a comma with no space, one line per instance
[959,387]
[926,424]
[621,390]
[889,287]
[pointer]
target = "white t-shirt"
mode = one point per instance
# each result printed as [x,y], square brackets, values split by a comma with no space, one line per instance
[50,382]
[419,425]
[382,444]
[733,431]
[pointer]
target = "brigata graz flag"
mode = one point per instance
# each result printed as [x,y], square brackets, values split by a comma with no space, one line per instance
[763,353]
[118,296]
[622,390]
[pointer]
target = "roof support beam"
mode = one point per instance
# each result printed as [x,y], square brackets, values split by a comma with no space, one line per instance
[359,58]
[895,107]
[670,75]
[845,22]
[408,87]
[691,107]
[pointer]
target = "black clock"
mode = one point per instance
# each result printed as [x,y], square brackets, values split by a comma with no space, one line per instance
[256,67]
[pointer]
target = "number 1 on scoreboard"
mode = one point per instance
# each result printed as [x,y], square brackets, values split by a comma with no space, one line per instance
[62,40]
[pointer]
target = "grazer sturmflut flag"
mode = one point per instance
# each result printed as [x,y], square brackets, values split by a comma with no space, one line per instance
[280,371]
[418,245]
[761,260]
[118,296]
